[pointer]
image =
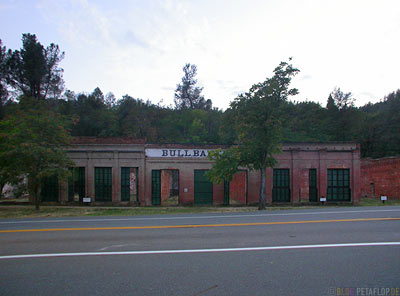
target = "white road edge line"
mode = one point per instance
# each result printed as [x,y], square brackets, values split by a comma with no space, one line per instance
[199,250]
[194,217]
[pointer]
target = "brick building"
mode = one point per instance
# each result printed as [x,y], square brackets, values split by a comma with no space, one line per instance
[380,177]
[128,171]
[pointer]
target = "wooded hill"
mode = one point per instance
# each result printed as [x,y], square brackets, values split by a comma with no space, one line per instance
[193,119]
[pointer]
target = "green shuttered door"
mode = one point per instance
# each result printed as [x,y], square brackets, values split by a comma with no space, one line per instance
[103,184]
[203,188]
[312,185]
[281,186]
[156,187]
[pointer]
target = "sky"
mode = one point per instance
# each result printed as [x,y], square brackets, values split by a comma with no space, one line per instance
[139,47]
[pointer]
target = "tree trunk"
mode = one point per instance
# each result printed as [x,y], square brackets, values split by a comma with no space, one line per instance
[1,189]
[37,196]
[37,203]
[261,204]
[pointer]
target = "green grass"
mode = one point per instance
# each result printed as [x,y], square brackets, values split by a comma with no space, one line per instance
[377,202]
[164,210]
[61,211]
[28,211]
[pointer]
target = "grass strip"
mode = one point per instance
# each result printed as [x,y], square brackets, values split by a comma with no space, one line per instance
[28,211]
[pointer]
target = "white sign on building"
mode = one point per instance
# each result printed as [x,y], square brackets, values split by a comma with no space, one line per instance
[194,153]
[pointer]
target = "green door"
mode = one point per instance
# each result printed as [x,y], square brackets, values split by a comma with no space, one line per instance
[76,183]
[129,184]
[281,186]
[103,184]
[49,190]
[81,183]
[203,188]
[156,187]
[338,185]
[312,185]
[226,193]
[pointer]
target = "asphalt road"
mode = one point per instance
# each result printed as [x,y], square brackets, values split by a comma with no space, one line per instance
[293,252]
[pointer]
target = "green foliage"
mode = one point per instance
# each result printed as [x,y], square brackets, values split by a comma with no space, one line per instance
[197,131]
[190,126]
[213,122]
[32,144]
[33,71]
[261,116]
[139,119]
[226,164]
[257,115]
[342,117]
[256,119]
[227,132]
[304,122]
[380,128]
[93,116]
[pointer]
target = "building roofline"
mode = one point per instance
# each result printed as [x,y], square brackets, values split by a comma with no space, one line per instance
[106,140]
[131,140]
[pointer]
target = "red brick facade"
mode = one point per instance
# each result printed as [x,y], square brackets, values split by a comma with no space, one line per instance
[238,188]
[380,177]
[300,158]
[297,159]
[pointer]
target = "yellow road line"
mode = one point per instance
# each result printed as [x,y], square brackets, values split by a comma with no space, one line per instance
[199,225]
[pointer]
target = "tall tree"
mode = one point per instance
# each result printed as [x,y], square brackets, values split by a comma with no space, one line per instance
[187,94]
[343,119]
[342,100]
[34,70]
[257,123]
[3,75]
[32,143]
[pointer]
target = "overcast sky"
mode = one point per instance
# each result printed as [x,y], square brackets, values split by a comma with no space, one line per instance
[138,47]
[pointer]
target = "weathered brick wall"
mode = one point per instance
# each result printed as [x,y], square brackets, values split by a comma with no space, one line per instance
[380,177]
[299,158]
[166,184]
[218,194]
[238,189]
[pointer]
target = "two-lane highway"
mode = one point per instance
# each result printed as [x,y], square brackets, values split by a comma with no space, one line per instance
[296,252]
